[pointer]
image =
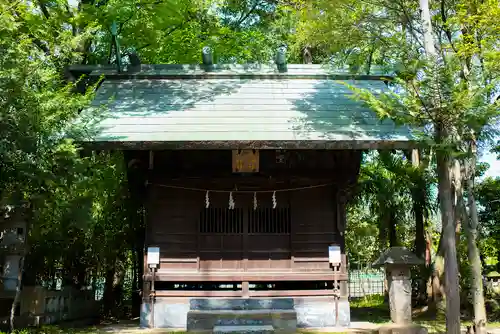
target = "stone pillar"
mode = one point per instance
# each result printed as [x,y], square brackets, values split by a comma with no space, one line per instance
[11,272]
[397,262]
[399,280]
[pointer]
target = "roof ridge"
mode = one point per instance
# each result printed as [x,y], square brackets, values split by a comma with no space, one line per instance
[246,71]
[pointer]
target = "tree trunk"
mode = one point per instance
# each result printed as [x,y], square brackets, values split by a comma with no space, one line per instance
[27,216]
[420,241]
[428,265]
[425,13]
[420,245]
[17,296]
[32,263]
[118,291]
[382,234]
[108,289]
[418,211]
[437,301]
[393,233]
[443,161]
[448,241]
[473,251]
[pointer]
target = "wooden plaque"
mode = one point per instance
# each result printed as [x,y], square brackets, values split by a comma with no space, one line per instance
[245,161]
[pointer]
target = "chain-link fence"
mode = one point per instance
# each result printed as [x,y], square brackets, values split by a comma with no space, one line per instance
[365,281]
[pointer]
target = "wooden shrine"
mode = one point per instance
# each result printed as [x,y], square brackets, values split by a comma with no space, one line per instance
[245,174]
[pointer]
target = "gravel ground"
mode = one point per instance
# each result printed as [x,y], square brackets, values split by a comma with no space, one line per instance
[133,328]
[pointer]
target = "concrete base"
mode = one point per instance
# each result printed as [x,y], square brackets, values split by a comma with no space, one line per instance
[319,313]
[312,312]
[167,314]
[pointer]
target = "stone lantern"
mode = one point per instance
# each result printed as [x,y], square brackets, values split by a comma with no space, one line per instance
[493,282]
[397,262]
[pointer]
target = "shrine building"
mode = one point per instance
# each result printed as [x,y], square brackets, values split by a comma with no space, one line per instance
[246,172]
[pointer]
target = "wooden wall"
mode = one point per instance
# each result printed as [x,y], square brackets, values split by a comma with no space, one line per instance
[195,239]
[286,243]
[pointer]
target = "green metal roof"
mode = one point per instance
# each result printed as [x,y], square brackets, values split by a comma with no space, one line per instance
[187,106]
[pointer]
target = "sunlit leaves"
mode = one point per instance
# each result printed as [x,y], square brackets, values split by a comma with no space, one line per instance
[76,200]
[488,194]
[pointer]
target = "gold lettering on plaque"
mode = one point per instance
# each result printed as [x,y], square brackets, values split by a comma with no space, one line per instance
[245,161]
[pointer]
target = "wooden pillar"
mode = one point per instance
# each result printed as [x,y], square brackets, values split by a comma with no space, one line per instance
[245,289]
[340,227]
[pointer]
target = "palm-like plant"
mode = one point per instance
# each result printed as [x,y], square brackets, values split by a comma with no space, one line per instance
[396,193]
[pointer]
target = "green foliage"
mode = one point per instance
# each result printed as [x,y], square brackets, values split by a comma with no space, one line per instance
[488,195]
[56,330]
[36,109]
[361,235]
[373,309]
[80,212]
[387,183]
[386,33]
[75,202]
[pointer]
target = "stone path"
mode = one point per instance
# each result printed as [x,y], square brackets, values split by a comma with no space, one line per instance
[356,327]
[493,330]
[128,328]
[133,328]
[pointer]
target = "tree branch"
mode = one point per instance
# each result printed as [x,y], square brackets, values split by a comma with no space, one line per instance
[44,9]
[174,28]
[385,4]
[427,111]
[124,22]
[38,43]
[244,17]
[411,28]
[110,51]
[446,29]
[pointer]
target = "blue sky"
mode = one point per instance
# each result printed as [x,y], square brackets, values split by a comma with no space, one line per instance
[491,159]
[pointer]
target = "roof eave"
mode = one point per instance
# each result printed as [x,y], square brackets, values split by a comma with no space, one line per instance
[261,144]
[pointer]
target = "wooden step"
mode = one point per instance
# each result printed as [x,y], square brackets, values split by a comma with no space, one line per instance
[280,320]
[243,329]
[208,304]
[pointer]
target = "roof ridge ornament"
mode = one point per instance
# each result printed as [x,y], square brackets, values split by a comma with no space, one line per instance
[116,44]
[281,58]
[207,58]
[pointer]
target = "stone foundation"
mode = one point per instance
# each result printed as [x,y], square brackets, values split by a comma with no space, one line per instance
[168,313]
[318,313]
[313,312]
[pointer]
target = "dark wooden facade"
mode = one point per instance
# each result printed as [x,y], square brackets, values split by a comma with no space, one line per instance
[268,250]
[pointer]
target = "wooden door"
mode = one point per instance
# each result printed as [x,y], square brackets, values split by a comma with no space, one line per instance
[268,239]
[245,238]
[220,239]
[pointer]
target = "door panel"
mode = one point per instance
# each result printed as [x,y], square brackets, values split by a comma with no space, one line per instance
[244,239]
